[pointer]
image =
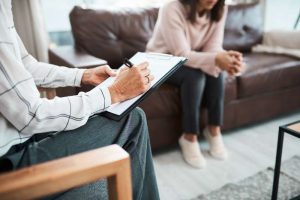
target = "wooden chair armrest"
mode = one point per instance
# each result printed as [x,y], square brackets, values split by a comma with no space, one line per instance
[110,162]
[69,56]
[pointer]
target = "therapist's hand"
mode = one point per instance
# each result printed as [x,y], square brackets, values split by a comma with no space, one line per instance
[97,75]
[131,82]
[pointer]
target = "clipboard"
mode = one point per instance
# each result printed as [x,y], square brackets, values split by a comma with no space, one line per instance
[161,65]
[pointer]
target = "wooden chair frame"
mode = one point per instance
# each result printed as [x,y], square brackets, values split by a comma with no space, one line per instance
[110,162]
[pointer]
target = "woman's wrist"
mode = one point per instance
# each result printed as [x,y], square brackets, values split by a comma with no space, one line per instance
[218,60]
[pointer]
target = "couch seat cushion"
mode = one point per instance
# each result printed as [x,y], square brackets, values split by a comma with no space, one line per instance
[268,73]
[164,102]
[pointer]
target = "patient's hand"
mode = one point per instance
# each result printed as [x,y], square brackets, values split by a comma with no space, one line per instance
[230,61]
[131,82]
[97,75]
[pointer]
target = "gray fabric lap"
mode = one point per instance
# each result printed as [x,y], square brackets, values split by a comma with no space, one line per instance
[98,132]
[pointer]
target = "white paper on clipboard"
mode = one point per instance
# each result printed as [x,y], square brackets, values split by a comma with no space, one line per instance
[159,64]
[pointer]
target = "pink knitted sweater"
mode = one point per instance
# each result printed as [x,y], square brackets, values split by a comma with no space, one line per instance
[199,42]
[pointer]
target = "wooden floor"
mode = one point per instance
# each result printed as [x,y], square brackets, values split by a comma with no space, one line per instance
[251,149]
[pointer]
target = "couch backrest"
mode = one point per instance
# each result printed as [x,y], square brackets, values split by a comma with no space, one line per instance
[115,34]
[244,26]
[112,34]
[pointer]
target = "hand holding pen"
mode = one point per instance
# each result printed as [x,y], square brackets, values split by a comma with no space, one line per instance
[131,81]
[129,64]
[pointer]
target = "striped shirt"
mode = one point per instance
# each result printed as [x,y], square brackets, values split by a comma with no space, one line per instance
[22,111]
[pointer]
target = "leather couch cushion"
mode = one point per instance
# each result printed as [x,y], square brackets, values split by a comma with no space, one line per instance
[164,102]
[268,73]
[230,88]
[113,34]
[244,27]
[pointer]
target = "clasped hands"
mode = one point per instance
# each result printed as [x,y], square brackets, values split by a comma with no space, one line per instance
[230,61]
[129,82]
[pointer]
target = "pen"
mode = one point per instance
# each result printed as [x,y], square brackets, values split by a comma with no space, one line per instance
[128,63]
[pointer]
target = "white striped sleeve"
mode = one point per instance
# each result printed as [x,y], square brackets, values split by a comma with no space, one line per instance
[48,75]
[21,105]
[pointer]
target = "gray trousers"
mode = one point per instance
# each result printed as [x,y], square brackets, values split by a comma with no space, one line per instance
[196,86]
[131,133]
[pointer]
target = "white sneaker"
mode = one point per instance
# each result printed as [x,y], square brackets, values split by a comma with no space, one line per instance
[191,153]
[216,145]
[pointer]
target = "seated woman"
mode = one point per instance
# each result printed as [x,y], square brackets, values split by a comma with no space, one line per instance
[194,29]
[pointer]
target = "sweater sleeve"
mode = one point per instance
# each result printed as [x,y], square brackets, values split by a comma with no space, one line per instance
[21,105]
[48,75]
[171,22]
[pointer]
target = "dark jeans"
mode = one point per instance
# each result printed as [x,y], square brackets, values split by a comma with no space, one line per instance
[194,86]
[131,133]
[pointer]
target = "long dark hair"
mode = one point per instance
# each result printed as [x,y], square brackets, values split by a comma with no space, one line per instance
[215,14]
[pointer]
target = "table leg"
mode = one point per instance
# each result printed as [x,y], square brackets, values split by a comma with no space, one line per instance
[296,198]
[277,164]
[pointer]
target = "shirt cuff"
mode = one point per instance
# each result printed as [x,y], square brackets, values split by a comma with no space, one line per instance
[72,76]
[78,77]
[106,95]
[100,99]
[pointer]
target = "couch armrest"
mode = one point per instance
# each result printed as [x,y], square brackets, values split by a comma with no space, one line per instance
[69,172]
[284,39]
[69,56]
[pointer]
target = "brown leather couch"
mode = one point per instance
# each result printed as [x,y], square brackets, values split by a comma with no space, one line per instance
[269,87]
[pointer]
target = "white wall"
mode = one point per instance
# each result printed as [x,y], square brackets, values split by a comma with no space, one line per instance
[281,14]
[56,12]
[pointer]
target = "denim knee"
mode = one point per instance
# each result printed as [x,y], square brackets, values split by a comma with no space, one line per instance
[194,77]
